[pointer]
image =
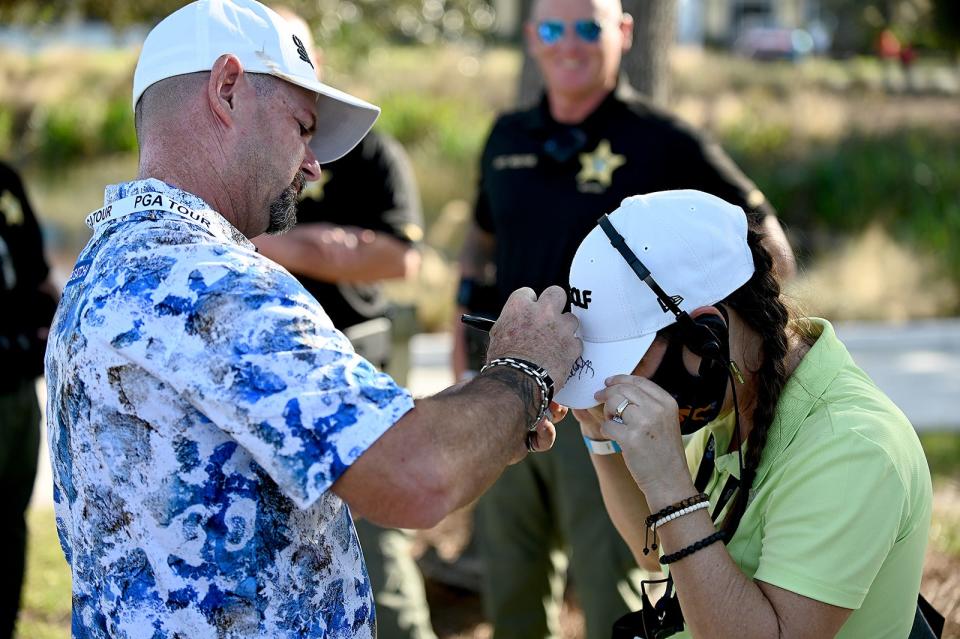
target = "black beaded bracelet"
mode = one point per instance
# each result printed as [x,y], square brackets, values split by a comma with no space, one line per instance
[692,548]
[539,375]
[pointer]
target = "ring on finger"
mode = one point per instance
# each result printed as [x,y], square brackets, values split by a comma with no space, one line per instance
[622,406]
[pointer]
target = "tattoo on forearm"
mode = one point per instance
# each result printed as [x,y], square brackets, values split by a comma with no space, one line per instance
[520,385]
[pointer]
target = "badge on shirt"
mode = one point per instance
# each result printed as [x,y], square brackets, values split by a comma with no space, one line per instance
[10,208]
[514,161]
[597,167]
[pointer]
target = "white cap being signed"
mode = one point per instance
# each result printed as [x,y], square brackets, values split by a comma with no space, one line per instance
[193,37]
[695,247]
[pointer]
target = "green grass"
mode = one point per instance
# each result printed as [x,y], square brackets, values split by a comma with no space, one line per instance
[942,449]
[45,606]
[943,455]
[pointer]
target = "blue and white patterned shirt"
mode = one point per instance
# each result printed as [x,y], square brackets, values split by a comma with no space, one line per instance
[201,405]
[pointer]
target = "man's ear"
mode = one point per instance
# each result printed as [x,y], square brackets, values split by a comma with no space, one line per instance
[530,36]
[626,28]
[222,87]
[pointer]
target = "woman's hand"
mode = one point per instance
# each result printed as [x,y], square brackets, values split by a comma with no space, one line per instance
[649,435]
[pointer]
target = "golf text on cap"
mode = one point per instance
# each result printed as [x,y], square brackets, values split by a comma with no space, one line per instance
[142,202]
[580,298]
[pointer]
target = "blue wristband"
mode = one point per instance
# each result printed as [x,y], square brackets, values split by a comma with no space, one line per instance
[602,446]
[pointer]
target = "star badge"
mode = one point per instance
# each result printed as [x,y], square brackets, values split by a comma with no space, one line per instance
[10,208]
[599,165]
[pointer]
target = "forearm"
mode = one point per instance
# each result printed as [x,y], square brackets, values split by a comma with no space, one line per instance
[488,435]
[476,254]
[717,599]
[775,241]
[475,263]
[345,255]
[378,256]
[444,453]
[625,504]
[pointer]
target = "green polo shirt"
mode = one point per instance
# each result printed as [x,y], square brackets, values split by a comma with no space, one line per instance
[840,508]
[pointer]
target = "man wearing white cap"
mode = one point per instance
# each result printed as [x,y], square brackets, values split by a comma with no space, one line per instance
[208,426]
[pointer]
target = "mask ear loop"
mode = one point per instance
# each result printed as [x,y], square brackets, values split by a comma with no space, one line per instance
[734,374]
[736,423]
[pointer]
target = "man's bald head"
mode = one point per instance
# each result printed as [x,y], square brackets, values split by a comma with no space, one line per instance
[605,9]
[171,99]
[165,98]
[578,71]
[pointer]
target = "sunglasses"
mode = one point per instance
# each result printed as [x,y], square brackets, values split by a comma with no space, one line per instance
[551,31]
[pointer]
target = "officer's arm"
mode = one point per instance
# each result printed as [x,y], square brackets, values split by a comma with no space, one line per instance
[776,242]
[476,259]
[340,253]
[710,169]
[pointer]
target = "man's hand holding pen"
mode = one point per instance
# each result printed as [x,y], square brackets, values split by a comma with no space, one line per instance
[535,331]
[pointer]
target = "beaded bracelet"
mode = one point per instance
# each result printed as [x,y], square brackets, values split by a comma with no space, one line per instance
[680,513]
[672,508]
[539,375]
[692,548]
[651,521]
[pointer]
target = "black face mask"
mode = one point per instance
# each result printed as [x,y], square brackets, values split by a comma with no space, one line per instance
[699,397]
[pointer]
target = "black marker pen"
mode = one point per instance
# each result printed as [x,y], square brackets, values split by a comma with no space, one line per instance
[480,323]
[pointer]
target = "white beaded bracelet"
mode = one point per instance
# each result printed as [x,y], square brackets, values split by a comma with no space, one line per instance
[681,513]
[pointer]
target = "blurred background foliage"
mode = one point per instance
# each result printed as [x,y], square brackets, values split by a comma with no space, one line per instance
[859,153]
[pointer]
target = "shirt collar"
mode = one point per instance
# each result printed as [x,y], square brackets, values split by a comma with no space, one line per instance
[542,118]
[721,429]
[804,389]
[809,381]
[220,226]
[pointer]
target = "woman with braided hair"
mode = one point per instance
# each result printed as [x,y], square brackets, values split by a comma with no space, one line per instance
[739,449]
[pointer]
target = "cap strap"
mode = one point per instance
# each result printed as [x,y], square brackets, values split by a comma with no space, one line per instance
[636,265]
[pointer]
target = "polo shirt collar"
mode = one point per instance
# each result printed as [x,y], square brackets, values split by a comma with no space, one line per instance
[804,390]
[809,381]
[543,119]
[721,429]
[220,227]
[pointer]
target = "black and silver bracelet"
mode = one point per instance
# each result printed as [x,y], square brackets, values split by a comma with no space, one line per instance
[539,375]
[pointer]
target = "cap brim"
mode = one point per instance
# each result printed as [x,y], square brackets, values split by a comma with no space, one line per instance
[599,361]
[342,119]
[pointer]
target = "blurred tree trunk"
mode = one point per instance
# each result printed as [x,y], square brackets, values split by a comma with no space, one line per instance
[530,83]
[646,65]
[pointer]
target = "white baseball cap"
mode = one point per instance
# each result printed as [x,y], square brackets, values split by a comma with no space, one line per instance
[695,247]
[193,37]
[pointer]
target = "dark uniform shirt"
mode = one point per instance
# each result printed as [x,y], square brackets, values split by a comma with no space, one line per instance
[544,184]
[26,309]
[372,187]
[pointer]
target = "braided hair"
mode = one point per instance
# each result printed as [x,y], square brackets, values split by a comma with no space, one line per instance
[759,304]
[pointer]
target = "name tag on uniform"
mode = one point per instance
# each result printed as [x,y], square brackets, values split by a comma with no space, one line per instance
[516,161]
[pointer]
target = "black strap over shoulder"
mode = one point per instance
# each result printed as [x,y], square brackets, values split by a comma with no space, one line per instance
[927,622]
